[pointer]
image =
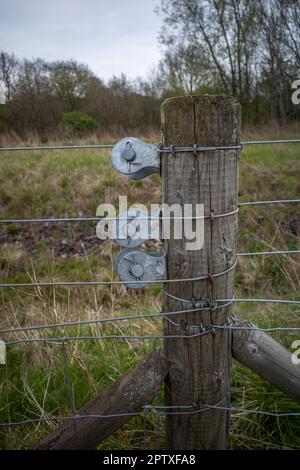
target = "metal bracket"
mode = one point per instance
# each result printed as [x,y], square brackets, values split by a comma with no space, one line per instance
[136,159]
[134,265]
[135,226]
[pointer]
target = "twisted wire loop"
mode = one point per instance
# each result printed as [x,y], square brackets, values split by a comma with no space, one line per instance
[211,328]
[233,299]
[196,149]
[199,304]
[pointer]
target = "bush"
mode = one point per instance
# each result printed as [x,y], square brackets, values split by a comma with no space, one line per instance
[3,117]
[78,123]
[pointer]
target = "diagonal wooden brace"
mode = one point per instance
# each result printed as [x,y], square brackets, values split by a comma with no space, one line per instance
[129,394]
[265,356]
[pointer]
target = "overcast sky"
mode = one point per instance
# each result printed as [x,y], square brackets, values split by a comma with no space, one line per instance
[111,36]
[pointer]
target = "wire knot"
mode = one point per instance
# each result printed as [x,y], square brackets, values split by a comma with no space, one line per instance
[195,150]
[196,406]
[172,150]
[213,305]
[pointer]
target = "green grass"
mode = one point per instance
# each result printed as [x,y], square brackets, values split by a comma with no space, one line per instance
[33,383]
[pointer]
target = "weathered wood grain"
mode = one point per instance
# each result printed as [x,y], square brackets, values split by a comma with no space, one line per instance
[129,394]
[269,359]
[200,367]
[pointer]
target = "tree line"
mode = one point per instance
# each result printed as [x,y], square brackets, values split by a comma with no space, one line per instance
[44,97]
[246,48]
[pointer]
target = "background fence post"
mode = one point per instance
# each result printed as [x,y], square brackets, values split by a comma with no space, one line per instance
[200,367]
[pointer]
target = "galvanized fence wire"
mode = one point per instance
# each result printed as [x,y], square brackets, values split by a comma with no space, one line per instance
[154,410]
[197,305]
[269,203]
[129,218]
[160,281]
[160,148]
[105,283]
[56,147]
[208,307]
[163,410]
[150,218]
[201,330]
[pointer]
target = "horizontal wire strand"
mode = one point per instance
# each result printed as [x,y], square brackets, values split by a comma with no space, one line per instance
[160,149]
[258,300]
[56,147]
[230,325]
[267,253]
[108,219]
[105,283]
[157,410]
[97,219]
[107,320]
[210,329]
[269,142]
[100,321]
[60,340]
[275,202]
[163,281]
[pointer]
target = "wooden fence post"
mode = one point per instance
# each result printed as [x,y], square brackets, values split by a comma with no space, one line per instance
[200,367]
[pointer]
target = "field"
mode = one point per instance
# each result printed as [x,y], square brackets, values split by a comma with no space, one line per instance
[73,183]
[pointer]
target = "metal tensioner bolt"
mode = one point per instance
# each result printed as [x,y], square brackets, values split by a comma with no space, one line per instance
[128,152]
[136,268]
[136,159]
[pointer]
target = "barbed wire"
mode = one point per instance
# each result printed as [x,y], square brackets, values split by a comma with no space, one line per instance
[211,329]
[196,408]
[154,410]
[164,315]
[107,320]
[64,339]
[201,329]
[254,300]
